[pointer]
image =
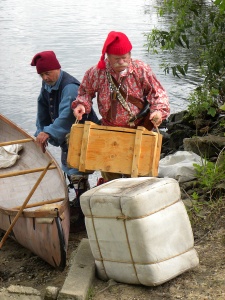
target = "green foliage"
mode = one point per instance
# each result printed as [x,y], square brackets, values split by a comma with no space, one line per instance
[198,27]
[195,196]
[220,4]
[177,70]
[197,208]
[207,208]
[210,175]
[90,293]
[203,102]
[207,175]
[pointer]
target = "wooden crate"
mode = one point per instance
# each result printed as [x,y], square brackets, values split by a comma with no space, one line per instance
[135,152]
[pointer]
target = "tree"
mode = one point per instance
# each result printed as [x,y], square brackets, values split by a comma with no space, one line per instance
[198,27]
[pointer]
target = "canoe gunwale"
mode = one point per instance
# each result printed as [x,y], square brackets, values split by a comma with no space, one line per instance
[39,213]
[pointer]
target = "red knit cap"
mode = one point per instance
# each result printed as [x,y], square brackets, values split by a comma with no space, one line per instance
[117,43]
[45,61]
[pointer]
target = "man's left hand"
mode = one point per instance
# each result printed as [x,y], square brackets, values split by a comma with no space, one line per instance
[156,118]
[42,140]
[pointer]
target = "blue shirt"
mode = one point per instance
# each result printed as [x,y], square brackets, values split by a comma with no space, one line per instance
[59,125]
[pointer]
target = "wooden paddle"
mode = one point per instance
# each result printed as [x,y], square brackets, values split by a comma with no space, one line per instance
[24,204]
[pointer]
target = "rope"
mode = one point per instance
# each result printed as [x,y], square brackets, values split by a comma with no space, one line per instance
[123,217]
[157,129]
[149,262]
[76,121]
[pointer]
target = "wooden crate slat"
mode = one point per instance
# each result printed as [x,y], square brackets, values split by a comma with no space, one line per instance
[137,152]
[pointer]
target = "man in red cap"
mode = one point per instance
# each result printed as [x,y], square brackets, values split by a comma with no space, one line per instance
[54,115]
[125,88]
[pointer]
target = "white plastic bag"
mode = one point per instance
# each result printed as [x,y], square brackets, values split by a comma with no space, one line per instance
[8,155]
[180,165]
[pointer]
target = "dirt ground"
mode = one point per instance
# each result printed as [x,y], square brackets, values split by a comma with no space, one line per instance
[207,281]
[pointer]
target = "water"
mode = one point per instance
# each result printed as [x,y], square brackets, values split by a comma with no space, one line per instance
[75,31]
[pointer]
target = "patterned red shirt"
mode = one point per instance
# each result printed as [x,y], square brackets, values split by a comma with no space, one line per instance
[137,80]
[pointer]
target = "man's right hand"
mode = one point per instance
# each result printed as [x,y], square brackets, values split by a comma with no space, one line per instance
[79,111]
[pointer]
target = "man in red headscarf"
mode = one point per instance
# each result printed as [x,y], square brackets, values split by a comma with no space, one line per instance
[124,87]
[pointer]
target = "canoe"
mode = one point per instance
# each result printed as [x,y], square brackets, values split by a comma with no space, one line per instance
[34,203]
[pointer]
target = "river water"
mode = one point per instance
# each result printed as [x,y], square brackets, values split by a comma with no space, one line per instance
[75,31]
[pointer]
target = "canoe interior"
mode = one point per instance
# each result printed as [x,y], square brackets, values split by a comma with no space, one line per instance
[15,189]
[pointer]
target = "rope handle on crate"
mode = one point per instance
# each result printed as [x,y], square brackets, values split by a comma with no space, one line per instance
[76,121]
[157,129]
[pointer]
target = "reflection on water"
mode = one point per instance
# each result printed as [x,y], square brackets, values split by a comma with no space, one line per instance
[76,31]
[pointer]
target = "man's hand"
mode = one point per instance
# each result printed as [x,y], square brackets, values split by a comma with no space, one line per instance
[156,118]
[79,111]
[42,140]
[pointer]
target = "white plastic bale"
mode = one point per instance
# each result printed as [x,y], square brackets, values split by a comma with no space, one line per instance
[139,230]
